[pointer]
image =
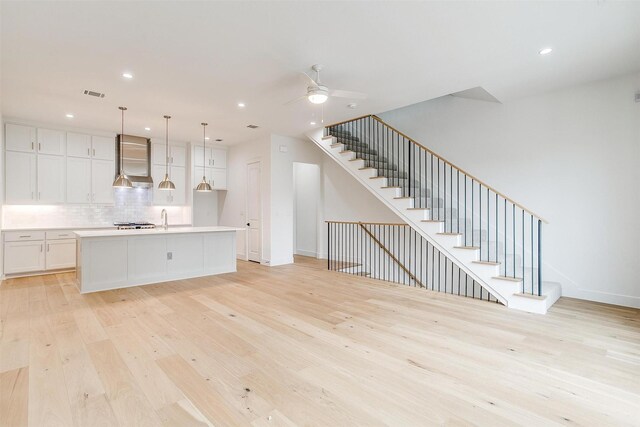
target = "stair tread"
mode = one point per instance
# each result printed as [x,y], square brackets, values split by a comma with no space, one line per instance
[418,209]
[390,187]
[365,168]
[467,247]
[450,234]
[486,262]
[347,151]
[537,297]
[508,278]
[402,198]
[431,220]
[377,177]
[328,137]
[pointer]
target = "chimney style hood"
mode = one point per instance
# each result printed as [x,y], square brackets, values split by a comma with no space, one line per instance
[136,159]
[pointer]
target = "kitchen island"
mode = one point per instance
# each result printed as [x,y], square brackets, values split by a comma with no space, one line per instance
[113,259]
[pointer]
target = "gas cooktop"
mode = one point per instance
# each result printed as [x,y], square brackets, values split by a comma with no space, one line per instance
[133,225]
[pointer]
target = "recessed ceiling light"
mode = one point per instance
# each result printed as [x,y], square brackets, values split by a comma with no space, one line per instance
[70,116]
[207,138]
[147,129]
[241,104]
[545,51]
[127,75]
[312,123]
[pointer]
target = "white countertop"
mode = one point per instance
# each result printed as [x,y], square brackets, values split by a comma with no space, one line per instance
[153,231]
[78,227]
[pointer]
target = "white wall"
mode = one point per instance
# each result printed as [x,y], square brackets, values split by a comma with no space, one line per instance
[233,203]
[571,156]
[307,207]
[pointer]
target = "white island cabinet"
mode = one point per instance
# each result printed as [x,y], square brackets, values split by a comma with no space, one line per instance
[112,259]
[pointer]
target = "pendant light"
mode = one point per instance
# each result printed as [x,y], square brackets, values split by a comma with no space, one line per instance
[204,186]
[121,180]
[166,183]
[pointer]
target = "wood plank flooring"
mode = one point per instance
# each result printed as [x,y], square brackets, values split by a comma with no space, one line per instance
[299,345]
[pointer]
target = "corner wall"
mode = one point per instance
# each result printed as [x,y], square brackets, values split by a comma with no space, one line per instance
[571,156]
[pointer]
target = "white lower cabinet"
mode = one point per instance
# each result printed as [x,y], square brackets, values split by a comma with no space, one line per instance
[24,257]
[60,254]
[38,251]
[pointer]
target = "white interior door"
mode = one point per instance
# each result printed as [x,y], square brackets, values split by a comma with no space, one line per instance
[254,217]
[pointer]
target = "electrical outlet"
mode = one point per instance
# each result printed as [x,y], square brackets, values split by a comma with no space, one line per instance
[169,256]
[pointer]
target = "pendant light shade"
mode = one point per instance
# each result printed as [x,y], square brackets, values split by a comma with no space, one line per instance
[204,186]
[166,183]
[121,180]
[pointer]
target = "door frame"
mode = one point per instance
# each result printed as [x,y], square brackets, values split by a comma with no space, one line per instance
[260,213]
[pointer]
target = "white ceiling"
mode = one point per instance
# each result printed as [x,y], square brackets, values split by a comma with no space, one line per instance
[196,60]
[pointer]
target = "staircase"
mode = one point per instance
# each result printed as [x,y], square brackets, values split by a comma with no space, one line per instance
[488,236]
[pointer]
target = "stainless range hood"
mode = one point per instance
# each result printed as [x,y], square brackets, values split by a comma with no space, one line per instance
[136,159]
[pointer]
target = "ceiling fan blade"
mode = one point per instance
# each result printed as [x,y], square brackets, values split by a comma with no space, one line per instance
[348,94]
[295,100]
[308,79]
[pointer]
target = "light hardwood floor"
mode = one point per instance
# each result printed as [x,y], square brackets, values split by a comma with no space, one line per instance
[299,345]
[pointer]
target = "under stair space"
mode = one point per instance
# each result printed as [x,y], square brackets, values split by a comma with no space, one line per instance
[490,238]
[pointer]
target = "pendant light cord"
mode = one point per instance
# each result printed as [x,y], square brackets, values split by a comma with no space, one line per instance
[166,139]
[122,109]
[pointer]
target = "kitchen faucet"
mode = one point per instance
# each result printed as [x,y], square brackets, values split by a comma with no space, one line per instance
[164,217]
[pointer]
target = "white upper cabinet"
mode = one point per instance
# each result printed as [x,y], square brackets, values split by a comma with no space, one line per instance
[78,180]
[103,147]
[177,174]
[78,145]
[20,138]
[218,158]
[20,177]
[51,142]
[218,179]
[178,155]
[102,176]
[51,179]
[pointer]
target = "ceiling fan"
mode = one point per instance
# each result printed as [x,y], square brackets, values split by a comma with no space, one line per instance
[317,93]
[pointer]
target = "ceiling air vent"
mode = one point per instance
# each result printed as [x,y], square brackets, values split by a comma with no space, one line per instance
[94,93]
[218,140]
[252,126]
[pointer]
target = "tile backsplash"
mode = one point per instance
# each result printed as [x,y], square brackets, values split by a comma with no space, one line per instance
[130,205]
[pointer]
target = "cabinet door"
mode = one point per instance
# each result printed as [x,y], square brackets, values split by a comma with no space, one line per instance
[20,178]
[179,178]
[103,148]
[20,138]
[78,180]
[60,254]
[102,176]
[218,158]
[159,153]
[218,178]
[51,142]
[160,197]
[22,257]
[178,155]
[78,145]
[51,178]
[200,157]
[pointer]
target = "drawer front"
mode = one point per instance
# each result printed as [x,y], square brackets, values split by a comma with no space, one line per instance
[60,234]
[23,236]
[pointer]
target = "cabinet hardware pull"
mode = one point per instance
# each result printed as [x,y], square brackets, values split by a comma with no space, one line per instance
[88,152]
[39,146]
[25,236]
[94,152]
[41,247]
[32,145]
[32,195]
[39,195]
[48,246]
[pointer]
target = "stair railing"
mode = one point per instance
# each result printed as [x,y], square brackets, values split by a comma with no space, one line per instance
[396,253]
[505,232]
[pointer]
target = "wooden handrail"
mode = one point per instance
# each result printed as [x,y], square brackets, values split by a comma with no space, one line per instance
[397,261]
[445,161]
